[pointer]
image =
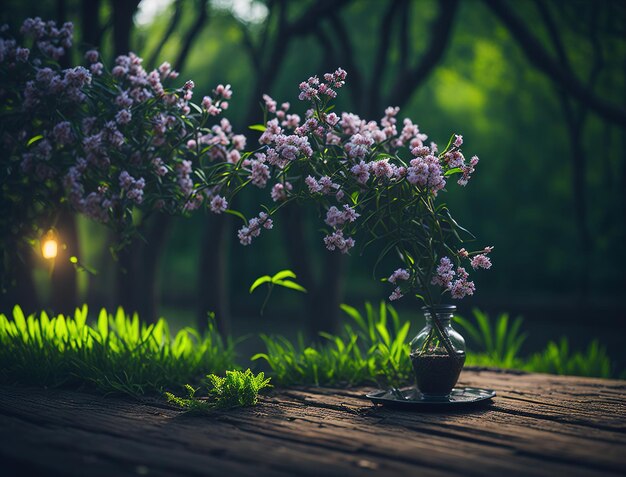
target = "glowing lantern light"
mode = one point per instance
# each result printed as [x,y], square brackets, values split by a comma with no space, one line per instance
[49,246]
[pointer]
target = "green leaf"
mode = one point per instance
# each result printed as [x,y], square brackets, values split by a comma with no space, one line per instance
[290,284]
[258,127]
[196,107]
[260,281]
[103,324]
[449,172]
[236,214]
[34,139]
[283,274]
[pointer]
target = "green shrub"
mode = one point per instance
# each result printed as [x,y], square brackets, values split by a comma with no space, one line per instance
[117,353]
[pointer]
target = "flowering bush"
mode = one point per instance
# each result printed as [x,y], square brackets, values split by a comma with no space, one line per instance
[105,142]
[380,182]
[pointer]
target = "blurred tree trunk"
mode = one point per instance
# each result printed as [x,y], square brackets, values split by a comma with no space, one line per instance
[201,6]
[324,294]
[64,272]
[174,21]
[138,272]
[212,282]
[20,288]
[150,262]
[123,11]
[575,120]
[568,82]
[90,23]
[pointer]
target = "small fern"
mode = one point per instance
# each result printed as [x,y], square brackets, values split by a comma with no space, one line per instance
[236,389]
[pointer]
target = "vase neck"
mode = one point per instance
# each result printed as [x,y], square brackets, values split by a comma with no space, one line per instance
[443,313]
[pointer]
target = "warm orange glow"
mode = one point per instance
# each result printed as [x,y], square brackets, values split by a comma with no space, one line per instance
[49,246]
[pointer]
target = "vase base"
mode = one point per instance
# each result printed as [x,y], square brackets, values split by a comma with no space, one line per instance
[413,399]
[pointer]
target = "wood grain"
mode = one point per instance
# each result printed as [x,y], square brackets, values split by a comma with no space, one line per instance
[537,425]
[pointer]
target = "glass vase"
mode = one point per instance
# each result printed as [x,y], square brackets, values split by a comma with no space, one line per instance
[437,353]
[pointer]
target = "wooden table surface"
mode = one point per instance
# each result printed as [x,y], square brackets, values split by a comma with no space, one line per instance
[537,425]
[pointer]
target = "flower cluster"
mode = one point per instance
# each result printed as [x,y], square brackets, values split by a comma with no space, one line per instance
[375,179]
[107,142]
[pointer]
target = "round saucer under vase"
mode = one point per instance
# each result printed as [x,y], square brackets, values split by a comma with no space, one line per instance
[437,353]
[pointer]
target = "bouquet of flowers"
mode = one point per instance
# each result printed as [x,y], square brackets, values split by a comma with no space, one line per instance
[380,183]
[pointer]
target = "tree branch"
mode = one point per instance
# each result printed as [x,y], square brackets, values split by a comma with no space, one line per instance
[540,58]
[384,39]
[175,20]
[440,36]
[330,59]
[195,30]
[286,31]
[404,36]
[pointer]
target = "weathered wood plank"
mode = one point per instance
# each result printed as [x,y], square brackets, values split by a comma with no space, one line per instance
[537,425]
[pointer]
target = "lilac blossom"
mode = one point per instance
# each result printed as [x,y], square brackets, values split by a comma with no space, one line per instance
[481,261]
[280,191]
[336,241]
[399,274]
[445,273]
[218,204]
[253,229]
[396,294]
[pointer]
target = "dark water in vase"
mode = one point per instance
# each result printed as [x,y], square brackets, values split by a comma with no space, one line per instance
[436,374]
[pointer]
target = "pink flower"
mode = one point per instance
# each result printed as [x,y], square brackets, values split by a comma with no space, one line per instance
[270,104]
[461,287]
[396,294]
[468,170]
[159,166]
[332,119]
[253,229]
[327,185]
[259,173]
[336,241]
[218,204]
[481,261]
[426,172]
[458,140]
[291,121]
[361,172]
[279,191]
[223,91]
[382,168]
[399,274]
[96,69]
[313,185]
[445,273]
[123,116]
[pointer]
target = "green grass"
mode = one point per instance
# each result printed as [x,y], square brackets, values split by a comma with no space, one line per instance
[120,354]
[498,343]
[372,349]
[557,358]
[116,353]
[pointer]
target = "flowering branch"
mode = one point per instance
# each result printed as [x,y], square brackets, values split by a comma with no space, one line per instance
[373,180]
